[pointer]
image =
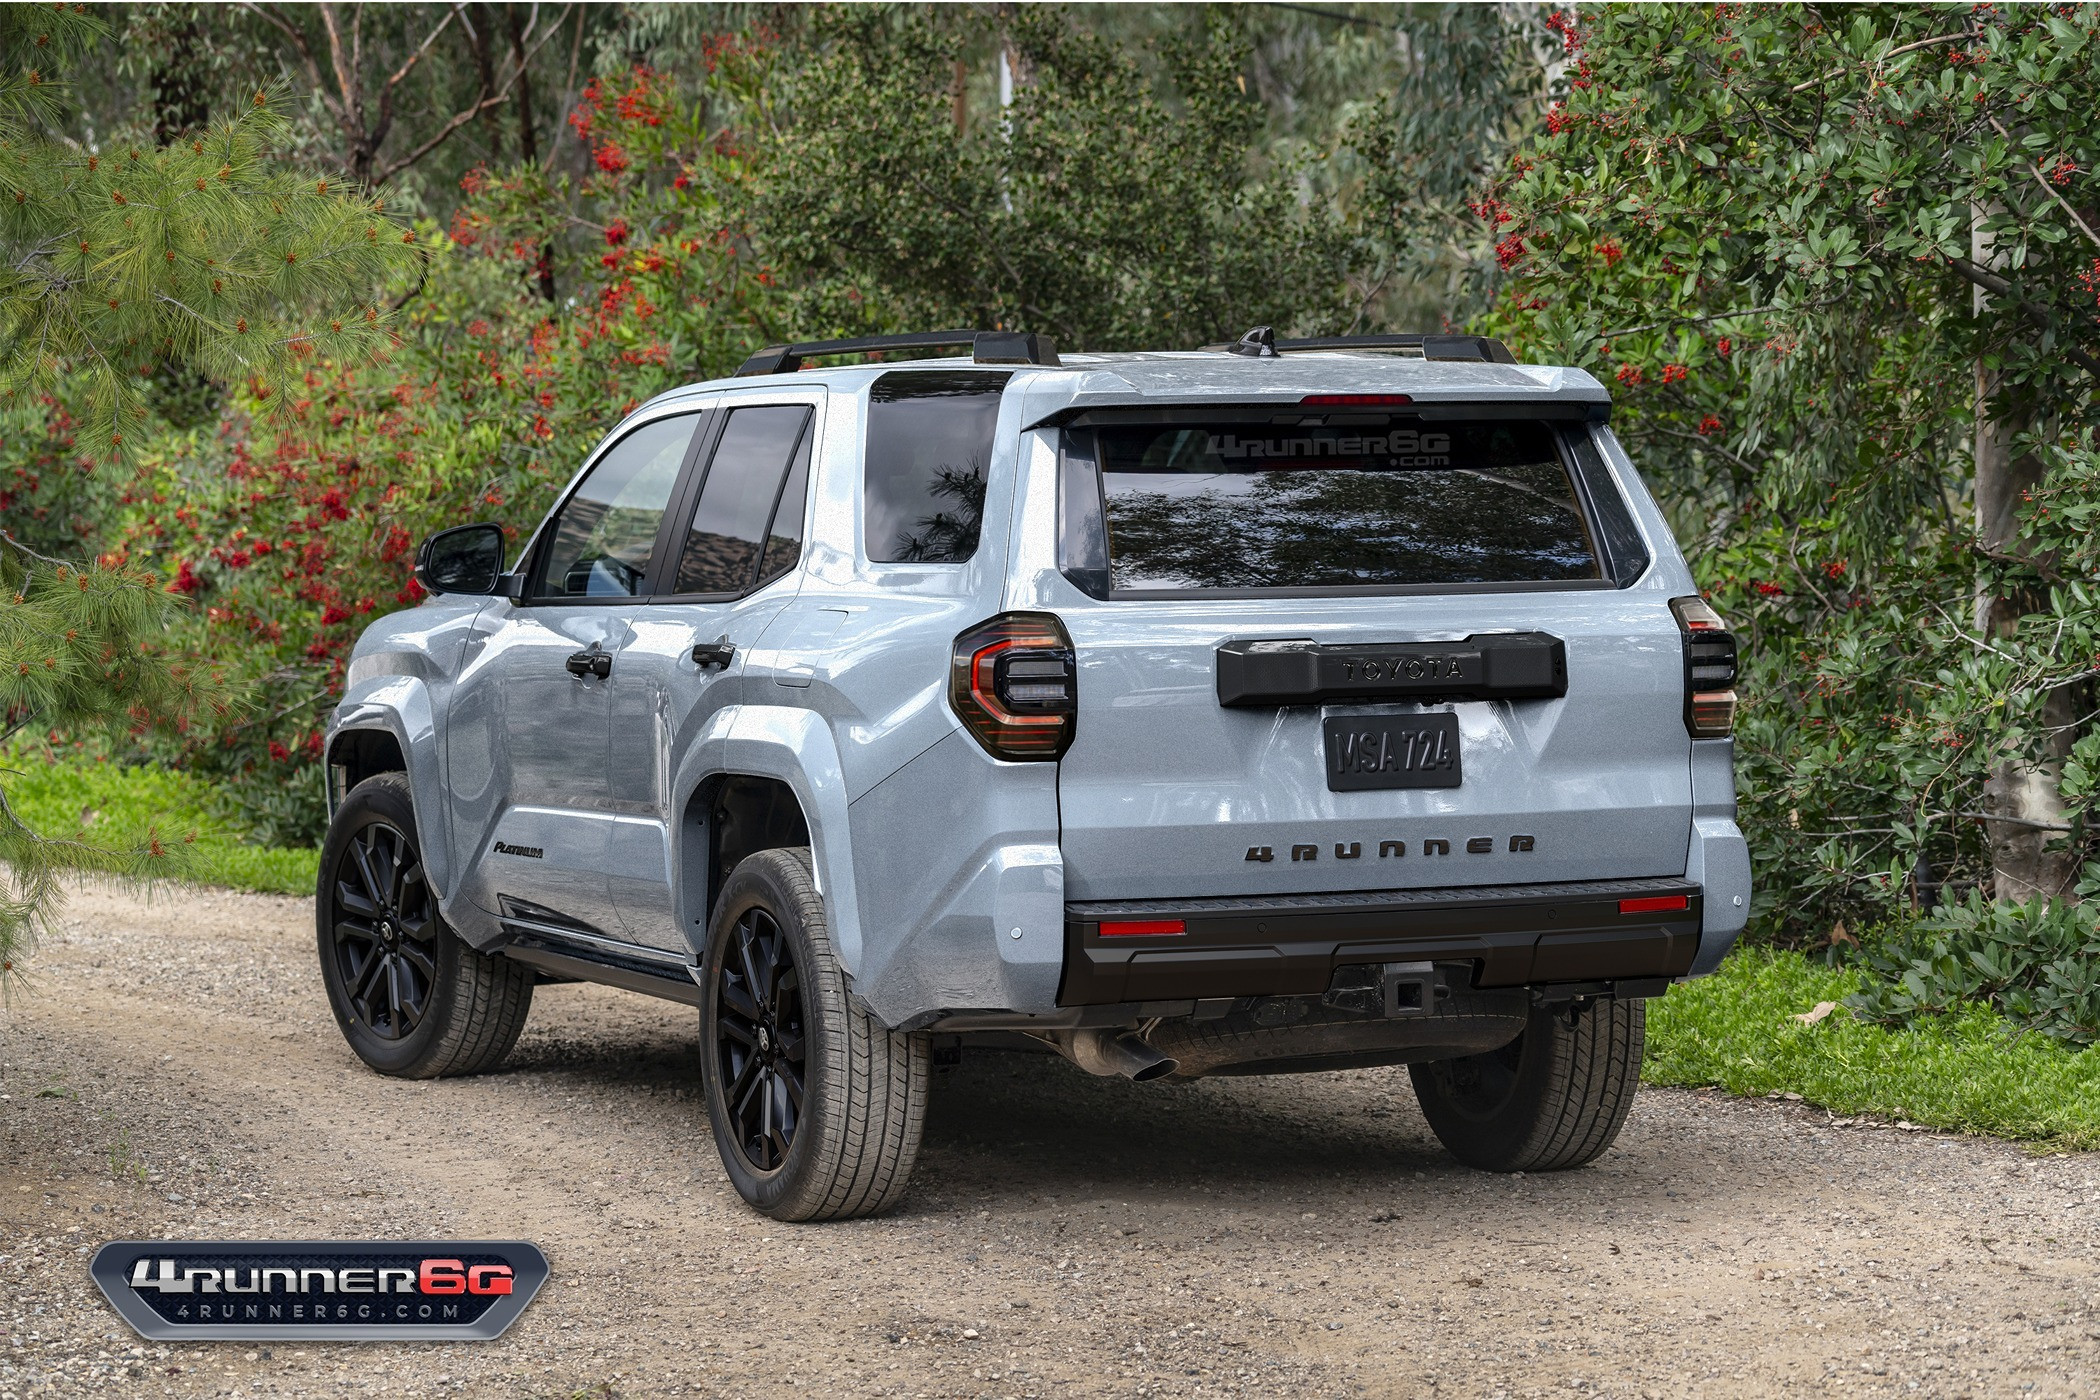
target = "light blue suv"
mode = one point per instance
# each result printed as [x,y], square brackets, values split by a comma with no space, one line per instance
[1279,706]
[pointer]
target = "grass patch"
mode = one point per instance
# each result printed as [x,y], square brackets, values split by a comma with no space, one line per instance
[1972,1071]
[107,802]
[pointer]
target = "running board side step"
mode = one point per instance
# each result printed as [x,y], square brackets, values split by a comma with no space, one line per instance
[592,957]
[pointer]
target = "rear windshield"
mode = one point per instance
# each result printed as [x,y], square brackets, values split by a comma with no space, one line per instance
[1335,503]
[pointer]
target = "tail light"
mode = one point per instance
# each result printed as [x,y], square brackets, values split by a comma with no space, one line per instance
[1015,686]
[1709,669]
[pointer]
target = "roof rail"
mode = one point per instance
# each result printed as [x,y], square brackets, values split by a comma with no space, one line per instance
[987,348]
[1261,343]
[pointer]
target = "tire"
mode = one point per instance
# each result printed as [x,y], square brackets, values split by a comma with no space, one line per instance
[817,1107]
[1553,1098]
[410,996]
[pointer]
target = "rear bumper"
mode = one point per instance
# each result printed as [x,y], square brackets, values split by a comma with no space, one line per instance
[1290,945]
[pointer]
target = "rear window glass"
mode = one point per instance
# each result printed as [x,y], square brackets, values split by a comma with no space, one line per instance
[929,449]
[1360,503]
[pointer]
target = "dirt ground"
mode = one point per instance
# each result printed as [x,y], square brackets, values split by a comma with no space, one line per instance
[173,1071]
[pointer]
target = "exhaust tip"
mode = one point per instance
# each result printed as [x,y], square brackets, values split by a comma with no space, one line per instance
[1110,1052]
[1158,1069]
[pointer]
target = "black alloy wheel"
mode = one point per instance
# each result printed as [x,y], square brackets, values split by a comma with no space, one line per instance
[815,1106]
[761,1039]
[412,997]
[385,931]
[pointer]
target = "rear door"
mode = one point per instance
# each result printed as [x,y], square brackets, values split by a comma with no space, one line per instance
[1360,650]
[739,538]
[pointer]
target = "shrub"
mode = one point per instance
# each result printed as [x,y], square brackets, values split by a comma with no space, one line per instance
[292,529]
[2032,961]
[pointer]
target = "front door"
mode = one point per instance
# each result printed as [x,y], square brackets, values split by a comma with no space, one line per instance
[527,731]
[687,654]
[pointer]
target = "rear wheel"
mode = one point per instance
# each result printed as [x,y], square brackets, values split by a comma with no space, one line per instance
[410,996]
[817,1107]
[1553,1098]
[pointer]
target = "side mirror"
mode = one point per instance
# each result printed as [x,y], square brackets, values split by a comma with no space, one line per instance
[465,559]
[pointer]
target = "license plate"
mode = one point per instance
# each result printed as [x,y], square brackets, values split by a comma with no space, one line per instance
[1366,752]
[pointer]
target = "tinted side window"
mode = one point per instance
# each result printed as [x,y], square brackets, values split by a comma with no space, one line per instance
[601,544]
[784,538]
[929,449]
[728,531]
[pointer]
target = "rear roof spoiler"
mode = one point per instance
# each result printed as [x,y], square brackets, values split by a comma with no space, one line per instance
[1261,343]
[1093,415]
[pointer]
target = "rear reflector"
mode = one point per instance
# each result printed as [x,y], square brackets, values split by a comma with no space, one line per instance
[1655,904]
[1141,928]
[1356,400]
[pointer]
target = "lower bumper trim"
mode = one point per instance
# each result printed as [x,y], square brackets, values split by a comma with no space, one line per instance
[1289,945]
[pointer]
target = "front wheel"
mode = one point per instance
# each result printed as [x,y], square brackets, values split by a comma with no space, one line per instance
[1553,1098]
[817,1107]
[412,998]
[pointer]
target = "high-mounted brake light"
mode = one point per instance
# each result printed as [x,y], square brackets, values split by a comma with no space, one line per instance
[1709,669]
[1356,400]
[1014,683]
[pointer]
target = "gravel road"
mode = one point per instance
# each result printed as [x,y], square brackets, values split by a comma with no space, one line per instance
[172,1070]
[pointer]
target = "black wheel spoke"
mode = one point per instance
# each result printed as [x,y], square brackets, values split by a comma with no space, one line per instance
[760,1040]
[361,853]
[367,982]
[418,958]
[348,896]
[385,928]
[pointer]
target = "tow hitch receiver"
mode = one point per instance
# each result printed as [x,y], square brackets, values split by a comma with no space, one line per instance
[1384,989]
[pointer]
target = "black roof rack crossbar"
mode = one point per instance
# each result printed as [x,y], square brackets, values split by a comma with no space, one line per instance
[1433,347]
[987,348]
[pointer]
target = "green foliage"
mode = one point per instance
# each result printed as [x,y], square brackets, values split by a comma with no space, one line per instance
[75,795]
[2032,961]
[1789,236]
[81,648]
[1102,208]
[207,254]
[293,529]
[1969,1071]
[117,264]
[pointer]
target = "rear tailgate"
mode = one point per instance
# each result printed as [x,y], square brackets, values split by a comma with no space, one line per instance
[1431,674]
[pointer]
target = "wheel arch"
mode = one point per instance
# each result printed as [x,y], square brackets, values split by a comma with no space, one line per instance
[762,778]
[386,727]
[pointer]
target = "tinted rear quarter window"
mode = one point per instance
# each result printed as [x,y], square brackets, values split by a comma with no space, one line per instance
[930,436]
[1262,504]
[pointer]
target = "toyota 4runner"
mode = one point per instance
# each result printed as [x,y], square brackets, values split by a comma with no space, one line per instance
[1280,706]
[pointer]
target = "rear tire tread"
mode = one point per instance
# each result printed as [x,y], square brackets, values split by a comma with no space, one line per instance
[1585,1078]
[872,1085]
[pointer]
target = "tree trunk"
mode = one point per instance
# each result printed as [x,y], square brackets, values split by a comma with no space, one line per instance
[2024,801]
[528,139]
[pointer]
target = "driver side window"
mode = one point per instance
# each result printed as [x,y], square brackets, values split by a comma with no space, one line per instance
[604,540]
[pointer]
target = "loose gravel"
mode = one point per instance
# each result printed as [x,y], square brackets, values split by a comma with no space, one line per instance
[172,1071]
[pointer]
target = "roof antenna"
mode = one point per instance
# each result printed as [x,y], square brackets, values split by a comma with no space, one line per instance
[1259,344]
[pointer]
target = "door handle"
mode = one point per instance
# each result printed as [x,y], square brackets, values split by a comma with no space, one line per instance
[707,654]
[590,663]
